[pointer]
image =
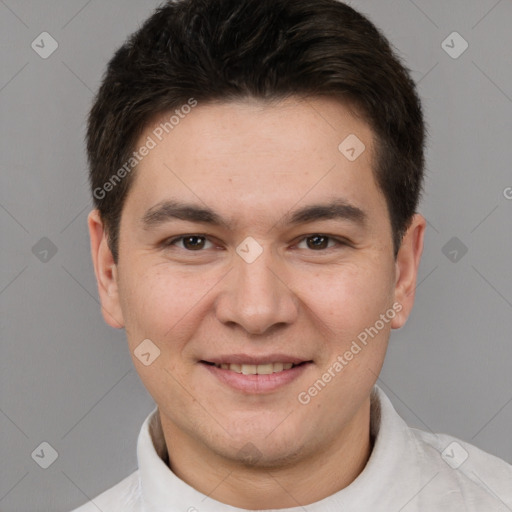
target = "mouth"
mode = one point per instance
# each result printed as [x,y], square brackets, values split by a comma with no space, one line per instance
[256,375]
[256,369]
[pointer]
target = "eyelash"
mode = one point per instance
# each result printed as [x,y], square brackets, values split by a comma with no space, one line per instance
[172,241]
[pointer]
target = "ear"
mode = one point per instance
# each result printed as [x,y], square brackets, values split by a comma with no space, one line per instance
[106,271]
[407,264]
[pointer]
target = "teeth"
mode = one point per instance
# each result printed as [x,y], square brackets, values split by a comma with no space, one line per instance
[265,369]
[249,369]
[256,369]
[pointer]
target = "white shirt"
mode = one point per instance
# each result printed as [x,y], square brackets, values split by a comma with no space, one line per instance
[408,470]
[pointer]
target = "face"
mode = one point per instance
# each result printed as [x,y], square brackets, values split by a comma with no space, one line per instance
[249,242]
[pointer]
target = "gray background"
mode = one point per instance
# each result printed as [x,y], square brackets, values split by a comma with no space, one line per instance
[67,378]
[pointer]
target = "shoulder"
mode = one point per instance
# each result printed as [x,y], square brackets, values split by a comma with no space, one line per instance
[122,497]
[465,469]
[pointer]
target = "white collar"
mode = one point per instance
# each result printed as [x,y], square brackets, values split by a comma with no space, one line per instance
[163,490]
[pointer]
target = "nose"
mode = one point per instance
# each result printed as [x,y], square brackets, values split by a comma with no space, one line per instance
[256,296]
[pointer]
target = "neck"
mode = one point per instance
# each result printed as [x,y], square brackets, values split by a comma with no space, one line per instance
[336,463]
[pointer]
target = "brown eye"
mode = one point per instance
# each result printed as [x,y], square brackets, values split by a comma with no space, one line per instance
[189,242]
[193,242]
[317,242]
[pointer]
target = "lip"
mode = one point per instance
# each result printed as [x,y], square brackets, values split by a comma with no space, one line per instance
[248,359]
[256,384]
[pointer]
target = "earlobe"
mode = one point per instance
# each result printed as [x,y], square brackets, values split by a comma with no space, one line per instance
[105,270]
[407,264]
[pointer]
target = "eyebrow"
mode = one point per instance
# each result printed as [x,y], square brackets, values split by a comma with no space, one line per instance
[168,210]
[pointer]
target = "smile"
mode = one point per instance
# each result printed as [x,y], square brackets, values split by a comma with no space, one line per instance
[255,369]
[253,375]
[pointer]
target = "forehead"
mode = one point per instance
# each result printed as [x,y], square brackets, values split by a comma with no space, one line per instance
[254,154]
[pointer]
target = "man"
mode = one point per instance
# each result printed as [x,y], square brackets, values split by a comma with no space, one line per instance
[256,167]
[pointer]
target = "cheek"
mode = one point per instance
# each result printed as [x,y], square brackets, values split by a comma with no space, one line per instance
[349,297]
[160,302]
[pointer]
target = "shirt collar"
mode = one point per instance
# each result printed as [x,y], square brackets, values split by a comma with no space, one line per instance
[163,490]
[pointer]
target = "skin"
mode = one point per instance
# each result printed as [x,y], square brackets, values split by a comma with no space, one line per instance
[252,163]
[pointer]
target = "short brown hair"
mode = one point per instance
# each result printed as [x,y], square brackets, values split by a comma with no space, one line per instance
[213,50]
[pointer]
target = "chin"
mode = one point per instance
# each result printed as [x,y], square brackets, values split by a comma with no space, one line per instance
[263,446]
[266,457]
